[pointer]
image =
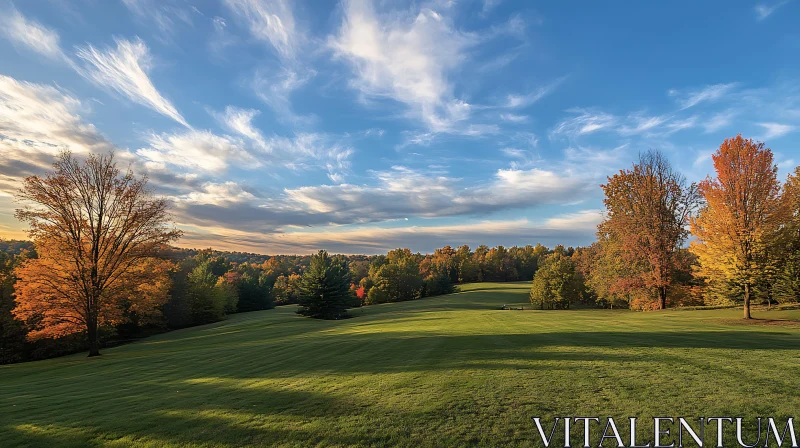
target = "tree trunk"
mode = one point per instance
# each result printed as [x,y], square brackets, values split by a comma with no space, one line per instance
[747,301]
[662,297]
[94,345]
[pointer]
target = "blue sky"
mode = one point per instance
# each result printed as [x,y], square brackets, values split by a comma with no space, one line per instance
[360,126]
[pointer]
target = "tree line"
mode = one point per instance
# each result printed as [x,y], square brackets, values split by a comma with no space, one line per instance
[101,266]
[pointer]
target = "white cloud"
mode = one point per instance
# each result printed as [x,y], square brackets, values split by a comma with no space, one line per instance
[774,130]
[709,94]
[163,14]
[271,21]
[198,150]
[585,219]
[240,121]
[221,194]
[515,101]
[586,122]
[640,124]
[718,121]
[38,121]
[276,88]
[514,118]
[124,70]
[405,56]
[763,10]
[26,33]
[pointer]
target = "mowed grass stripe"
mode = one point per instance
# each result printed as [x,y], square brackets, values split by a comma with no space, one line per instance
[452,370]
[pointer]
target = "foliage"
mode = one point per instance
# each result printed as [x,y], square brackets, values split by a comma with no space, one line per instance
[742,214]
[12,332]
[97,233]
[286,289]
[648,209]
[376,296]
[556,284]
[325,288]
[399,275]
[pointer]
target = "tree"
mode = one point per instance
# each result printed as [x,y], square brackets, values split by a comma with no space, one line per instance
[786,287]
[648,208]
[556,284]
[399,275]
[285,289]
[98,233]
[742,213]
[12,332]
[325,288]
[209,298]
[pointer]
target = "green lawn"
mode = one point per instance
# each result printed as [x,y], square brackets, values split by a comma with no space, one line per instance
[444,371]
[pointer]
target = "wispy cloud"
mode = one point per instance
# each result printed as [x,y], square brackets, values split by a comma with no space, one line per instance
[276,89]
[710,93]
[586,122]
[29,34]
[764,10]
[515,101]
[164,15]
[240,121]
[514,118]
[271,21]
[405,56]
[124,69]
[774,130]
[718,121]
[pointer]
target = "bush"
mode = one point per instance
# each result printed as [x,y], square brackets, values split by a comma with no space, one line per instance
[437,285]
[376,296]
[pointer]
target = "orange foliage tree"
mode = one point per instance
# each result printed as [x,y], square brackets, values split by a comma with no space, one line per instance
[742,213]
[648,209]
[98,232]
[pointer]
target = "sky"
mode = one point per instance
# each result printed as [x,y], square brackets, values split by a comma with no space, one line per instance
[357,126]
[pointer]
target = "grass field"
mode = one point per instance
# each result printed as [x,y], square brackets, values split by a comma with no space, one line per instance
[445,371]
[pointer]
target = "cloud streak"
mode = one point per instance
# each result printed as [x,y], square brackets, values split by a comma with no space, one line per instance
[124,69]
[30,34]
[406,57]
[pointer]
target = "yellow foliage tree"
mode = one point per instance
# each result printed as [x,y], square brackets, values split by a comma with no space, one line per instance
[742,213]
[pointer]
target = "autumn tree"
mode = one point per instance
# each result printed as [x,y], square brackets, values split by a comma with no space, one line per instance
[648,209]
[556,284]
[742,213]
[398,275]
[98,232]
[786,287]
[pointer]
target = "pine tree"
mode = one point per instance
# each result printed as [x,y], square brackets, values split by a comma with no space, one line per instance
[325,288]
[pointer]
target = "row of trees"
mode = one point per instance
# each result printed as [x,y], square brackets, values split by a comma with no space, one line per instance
[744,225]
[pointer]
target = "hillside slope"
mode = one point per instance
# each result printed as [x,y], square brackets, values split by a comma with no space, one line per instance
[451,370]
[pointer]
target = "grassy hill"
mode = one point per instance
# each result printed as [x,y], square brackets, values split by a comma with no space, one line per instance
[451,370]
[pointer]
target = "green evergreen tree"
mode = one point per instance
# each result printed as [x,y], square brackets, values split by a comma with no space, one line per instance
[325,288]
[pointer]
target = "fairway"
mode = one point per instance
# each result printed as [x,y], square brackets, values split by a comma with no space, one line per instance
[449,370]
